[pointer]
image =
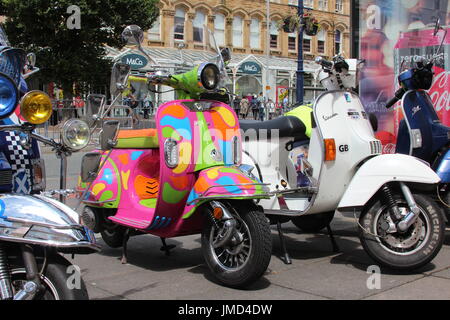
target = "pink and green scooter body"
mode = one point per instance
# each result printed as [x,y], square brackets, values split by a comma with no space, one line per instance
[151,197]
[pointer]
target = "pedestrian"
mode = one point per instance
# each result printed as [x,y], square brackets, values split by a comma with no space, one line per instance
[254,106]
[271,108]
[285,104]
[148,107]
[261,106]
[237,105]
[244,107]
[78,103]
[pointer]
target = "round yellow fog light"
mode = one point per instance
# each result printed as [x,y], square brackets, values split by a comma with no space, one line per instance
[36,107]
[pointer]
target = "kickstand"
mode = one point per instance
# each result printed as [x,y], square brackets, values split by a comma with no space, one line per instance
[126,237]
[286,258]
[333,241]
[166,247]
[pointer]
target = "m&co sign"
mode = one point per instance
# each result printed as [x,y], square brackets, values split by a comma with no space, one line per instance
[250,67]
[136,61]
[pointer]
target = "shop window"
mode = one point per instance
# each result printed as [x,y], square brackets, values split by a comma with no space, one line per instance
[337,42]
[237,32]
[323,5]
[292,41]
[180,17]
[273,35]
[219,29]
[339,6]
[255,41]
[321,41]
[198,23]
[154,33]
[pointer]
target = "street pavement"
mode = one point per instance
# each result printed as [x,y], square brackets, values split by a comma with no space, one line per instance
[316,271]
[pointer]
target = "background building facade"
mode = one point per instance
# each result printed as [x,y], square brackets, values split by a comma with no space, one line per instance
[264,56]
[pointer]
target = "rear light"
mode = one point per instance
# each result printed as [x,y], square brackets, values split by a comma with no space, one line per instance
[330,150]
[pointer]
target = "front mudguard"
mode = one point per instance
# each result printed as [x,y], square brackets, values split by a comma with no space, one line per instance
[382,169]
[224,183]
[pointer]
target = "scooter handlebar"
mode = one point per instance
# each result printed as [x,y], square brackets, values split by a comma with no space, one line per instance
[397,97]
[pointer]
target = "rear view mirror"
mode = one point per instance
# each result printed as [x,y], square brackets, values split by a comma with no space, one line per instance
[226,55]
[94,106]
[31,59]
[119,77]
[109,134]
[90,165]
[133,35]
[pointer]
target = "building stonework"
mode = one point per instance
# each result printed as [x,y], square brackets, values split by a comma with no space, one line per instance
[330,22]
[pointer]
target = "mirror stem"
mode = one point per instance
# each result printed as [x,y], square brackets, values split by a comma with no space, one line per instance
[63,175]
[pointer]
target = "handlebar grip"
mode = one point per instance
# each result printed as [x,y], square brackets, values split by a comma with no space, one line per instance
[398,96]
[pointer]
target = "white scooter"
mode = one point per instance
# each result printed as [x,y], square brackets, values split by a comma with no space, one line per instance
[344,170]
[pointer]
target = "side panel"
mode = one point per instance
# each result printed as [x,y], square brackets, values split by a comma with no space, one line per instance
[222,182]
[383,169]
[443,170]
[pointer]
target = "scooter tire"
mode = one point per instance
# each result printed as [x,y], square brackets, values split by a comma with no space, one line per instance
[113,237]
[313,223]
[417,257]
[59,278]
[260,253]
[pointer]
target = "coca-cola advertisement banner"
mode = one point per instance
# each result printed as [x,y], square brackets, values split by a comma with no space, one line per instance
[392,32]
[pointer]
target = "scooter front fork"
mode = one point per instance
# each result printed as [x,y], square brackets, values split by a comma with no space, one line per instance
[404,222]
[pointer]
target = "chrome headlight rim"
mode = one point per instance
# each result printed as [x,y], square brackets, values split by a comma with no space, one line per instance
[10,110]
[68,125]
[201,75]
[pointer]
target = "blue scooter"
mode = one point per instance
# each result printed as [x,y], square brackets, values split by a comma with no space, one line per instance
[421,133]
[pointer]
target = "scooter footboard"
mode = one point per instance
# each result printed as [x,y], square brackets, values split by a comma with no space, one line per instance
[380,170]
[223,183]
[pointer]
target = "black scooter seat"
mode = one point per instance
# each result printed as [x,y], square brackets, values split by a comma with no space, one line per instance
[287,126]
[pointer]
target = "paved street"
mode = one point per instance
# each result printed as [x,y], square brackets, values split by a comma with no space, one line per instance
[316,272]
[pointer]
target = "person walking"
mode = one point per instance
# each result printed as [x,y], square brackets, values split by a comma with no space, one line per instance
[254,106]
[244,107]
[261,106]
[237,105]
[271,108]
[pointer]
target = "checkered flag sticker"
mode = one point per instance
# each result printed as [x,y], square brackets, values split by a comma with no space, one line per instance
[20,162]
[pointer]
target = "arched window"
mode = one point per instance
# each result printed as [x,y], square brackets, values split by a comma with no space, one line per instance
[337,42]
[255,39]
[154,33]
[219,29]
[198,24]
[180,17]
[237,32]
[321,36]
[273,35]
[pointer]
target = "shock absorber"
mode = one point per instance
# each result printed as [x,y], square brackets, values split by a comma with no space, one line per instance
[5,276]
[390,201]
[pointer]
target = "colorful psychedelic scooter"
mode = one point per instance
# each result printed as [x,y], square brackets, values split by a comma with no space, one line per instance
[421,133]
[182,178]
[400,225]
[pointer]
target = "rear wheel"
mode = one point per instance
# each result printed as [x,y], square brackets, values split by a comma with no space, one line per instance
[408,250]
[313,223]
[245,258]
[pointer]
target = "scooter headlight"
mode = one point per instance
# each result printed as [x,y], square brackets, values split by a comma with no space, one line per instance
[171,154]
[36,107]
[76,134]
[209,76]
[9,96]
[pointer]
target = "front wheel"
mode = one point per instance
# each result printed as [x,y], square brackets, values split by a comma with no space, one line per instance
[245,258]
[404,251]
[60,280]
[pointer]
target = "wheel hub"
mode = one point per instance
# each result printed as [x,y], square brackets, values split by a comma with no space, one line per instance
[406,240]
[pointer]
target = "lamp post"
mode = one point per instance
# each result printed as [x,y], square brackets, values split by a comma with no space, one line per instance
[300,72]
